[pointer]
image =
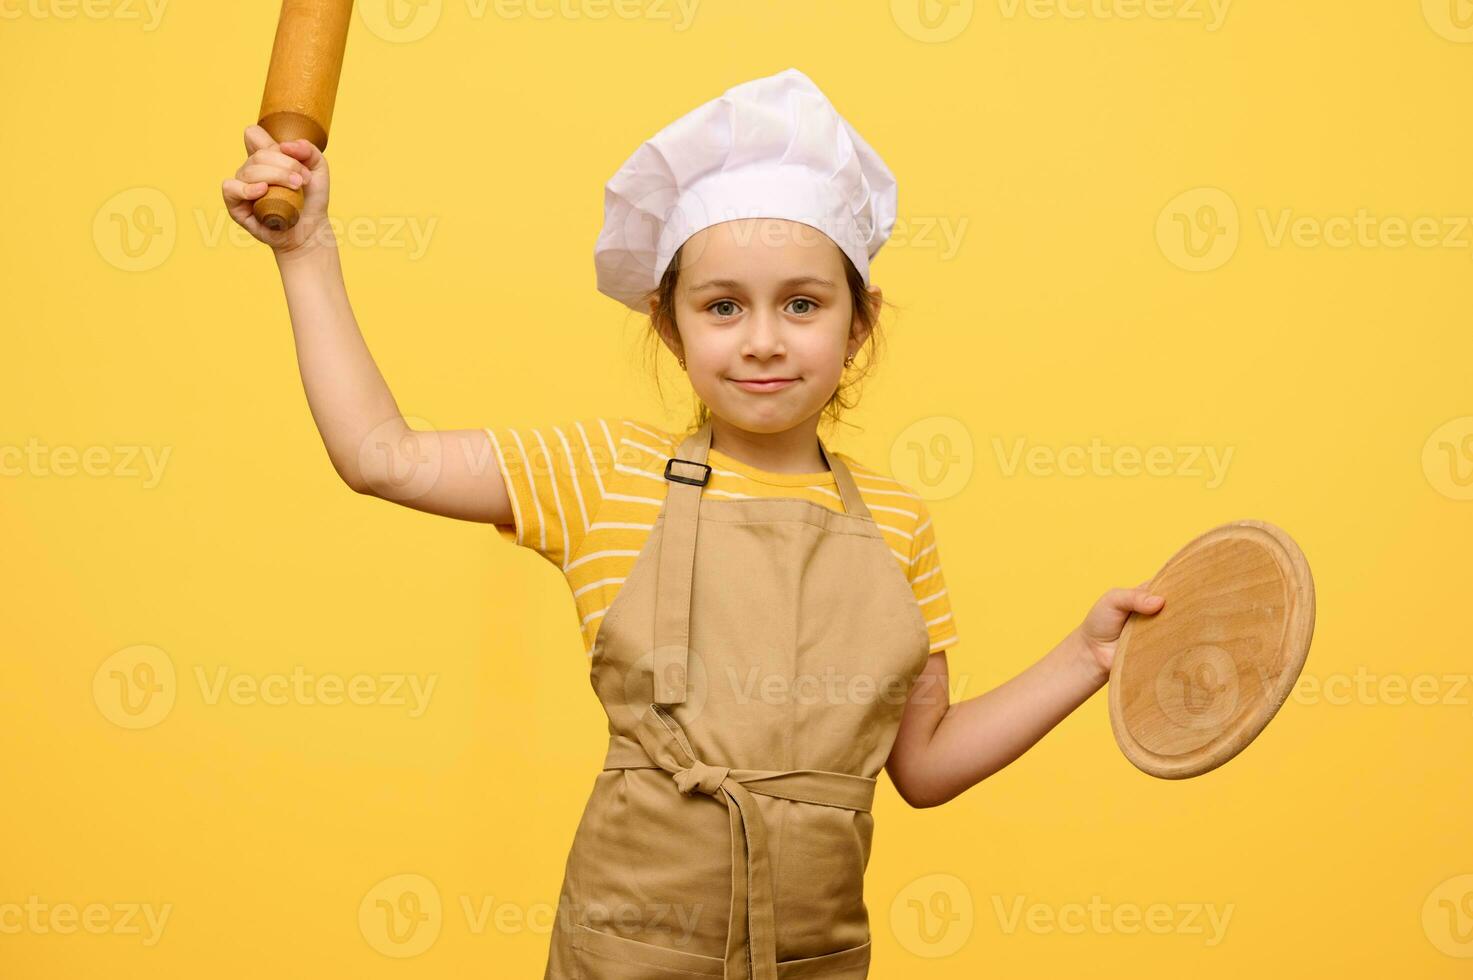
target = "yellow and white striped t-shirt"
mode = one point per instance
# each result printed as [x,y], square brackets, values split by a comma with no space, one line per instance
[585,494]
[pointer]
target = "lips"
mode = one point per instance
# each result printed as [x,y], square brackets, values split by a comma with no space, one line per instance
[771,384]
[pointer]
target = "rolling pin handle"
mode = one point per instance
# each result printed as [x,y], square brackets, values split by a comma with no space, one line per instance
[279,208]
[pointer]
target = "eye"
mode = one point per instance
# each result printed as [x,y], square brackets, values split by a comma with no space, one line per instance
[718,307]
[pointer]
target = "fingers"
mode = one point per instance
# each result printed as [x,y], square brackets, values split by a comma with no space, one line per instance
[261,148]
[253,173]
[1139,599]
[236,191]
[275,158]
[256,138]
[1143,601]
[304,151]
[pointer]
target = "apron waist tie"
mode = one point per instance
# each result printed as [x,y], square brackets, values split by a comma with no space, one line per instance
[751,938]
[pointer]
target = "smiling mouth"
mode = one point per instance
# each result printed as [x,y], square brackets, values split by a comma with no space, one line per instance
[770,384]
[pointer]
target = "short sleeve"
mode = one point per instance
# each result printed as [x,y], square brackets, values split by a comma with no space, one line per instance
[928,583]
[555,477]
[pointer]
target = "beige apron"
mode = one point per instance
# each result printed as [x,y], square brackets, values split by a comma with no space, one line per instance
[754,685]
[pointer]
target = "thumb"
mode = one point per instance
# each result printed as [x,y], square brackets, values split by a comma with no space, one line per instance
[307,152]
[257,138]
[1143,600]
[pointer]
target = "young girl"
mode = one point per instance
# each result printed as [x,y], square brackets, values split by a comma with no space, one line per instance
[766,619]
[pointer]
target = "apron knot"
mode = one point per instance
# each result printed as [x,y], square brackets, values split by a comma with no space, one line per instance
[699,776]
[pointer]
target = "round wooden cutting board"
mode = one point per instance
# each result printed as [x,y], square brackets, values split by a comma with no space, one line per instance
[1193,684]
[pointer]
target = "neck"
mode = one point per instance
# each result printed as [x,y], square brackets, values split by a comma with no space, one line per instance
[792,451]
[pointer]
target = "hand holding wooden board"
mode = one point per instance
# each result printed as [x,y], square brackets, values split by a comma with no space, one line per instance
[1192,685]
[301,88]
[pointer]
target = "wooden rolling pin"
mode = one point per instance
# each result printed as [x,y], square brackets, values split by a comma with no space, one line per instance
[301,87]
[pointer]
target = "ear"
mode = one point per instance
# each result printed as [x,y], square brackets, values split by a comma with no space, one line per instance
[858,332]
[670,338]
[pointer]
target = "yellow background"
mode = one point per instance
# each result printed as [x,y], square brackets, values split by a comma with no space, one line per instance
[1058,144]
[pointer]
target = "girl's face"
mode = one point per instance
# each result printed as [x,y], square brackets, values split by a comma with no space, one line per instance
[765,299]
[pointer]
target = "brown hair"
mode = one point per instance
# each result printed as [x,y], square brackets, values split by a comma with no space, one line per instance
[866,309]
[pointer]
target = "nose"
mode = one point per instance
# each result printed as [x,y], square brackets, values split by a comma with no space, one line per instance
[763,339]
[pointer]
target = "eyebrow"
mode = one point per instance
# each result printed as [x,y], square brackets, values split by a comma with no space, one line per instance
[733,284]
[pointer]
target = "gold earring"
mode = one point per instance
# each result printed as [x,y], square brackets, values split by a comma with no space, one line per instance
[849,360]
[682,363]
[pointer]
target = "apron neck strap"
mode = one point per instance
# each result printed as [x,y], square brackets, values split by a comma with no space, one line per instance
[696,447]
[686,473]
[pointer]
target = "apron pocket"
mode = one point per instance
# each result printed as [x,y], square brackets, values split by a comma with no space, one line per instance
[610,957]
[846,964]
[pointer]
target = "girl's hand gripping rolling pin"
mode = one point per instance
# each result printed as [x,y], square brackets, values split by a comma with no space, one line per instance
[295,166]
[301,88]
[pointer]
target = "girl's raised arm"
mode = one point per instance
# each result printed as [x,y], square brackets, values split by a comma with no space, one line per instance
[372,447]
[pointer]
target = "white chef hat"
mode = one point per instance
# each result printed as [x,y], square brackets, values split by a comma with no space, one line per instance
[773,147]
